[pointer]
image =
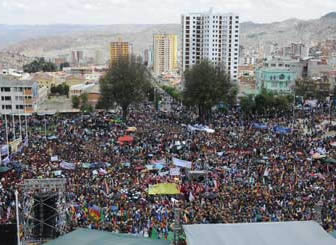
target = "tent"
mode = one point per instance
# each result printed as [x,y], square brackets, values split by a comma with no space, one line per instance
[94,237]
[163,189]
[277,233]
[125,139]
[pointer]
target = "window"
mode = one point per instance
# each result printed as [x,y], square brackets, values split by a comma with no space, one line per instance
[5,89]
[282,77]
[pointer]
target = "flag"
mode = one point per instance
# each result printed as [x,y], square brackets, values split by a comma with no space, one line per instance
[191,197]
[94,213]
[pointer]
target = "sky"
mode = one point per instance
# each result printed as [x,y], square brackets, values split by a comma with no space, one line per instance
[154,11]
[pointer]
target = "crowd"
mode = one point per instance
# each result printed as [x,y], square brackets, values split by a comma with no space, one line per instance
[253,175]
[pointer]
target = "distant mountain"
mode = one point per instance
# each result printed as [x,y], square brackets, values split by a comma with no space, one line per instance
[52,40]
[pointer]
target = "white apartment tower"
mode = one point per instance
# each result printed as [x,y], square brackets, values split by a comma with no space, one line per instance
[211,36]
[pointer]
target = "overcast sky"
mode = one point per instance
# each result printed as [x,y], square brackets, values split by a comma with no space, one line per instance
[153,11]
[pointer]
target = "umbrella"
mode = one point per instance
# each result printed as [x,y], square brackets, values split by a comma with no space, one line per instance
[4,169]
[125,139]
[131,129]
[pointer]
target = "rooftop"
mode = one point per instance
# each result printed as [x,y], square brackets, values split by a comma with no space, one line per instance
[5,82]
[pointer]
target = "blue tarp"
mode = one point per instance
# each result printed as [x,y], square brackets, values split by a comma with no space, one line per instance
[282,130]
[260,125]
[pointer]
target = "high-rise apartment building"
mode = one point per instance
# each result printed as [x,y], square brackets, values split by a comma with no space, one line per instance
[120,50]
[211,36]
[165,53]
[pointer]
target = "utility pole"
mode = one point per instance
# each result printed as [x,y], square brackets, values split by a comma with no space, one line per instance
[17,217]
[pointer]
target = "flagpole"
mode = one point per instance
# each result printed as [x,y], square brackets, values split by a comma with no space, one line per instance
[20,124]
[26,125]
[17,217]
[6,130]
[13,126]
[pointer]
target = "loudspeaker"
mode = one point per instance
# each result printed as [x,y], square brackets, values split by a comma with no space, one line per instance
[45,215]
[8,234]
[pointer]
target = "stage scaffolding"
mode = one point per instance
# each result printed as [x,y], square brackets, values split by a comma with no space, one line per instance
[34,195]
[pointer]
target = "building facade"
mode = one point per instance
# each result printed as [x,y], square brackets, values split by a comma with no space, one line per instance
[211,36]
[278,75]
[120,50]
[18,96]
[165,53]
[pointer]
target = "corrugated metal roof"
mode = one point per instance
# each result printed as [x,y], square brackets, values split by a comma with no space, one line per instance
[277,233]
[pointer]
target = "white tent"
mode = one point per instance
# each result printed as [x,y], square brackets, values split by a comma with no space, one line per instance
[282,233]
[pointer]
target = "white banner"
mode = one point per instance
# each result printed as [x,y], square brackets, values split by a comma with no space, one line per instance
[175,171]
[68,165]
[181,163]
[54,158]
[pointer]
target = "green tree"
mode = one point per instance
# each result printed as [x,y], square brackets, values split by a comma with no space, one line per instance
[75,102]
[38,65]
[125,83]
[205,86]
[247,104]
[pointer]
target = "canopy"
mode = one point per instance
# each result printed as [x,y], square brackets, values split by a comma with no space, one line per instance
[94,237]
[125,139]
[163,189]
[277,233]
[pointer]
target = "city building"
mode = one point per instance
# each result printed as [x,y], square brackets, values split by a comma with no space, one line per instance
[77,57]
[148,57]
[93,94]
[18,96]
[77,90]
[165,53]
[211,36]
[278,75]
[120,50]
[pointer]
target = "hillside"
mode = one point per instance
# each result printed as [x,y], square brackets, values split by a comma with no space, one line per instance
[61,39]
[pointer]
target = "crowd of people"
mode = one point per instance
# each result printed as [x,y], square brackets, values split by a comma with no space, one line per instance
[251,174]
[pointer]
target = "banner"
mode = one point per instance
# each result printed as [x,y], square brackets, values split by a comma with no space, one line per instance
[161,162]
[67,165]
[181,163]
[4,150]
[163,189]
[201,128]
[174,171]
[54,159]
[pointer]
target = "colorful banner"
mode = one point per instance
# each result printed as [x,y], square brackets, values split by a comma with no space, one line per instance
[163,189]
[181,163]
[94,213]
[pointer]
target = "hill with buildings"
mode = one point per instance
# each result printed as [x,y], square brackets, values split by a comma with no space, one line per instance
[54,40]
